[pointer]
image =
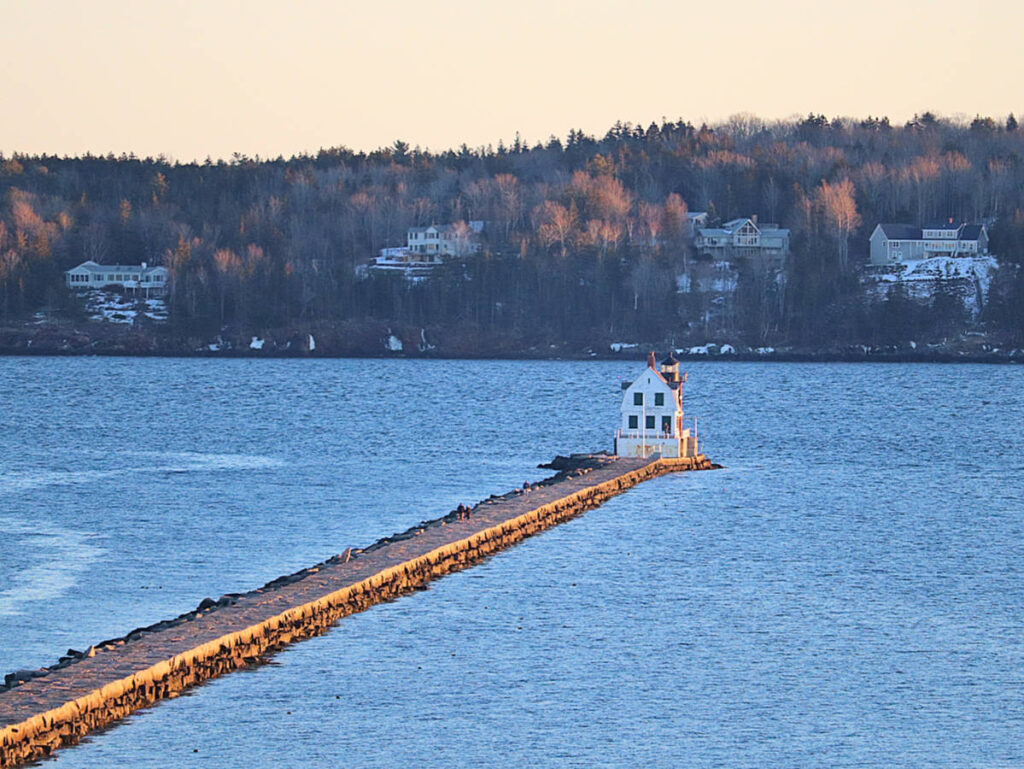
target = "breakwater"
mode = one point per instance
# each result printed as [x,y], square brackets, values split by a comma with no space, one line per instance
[43,710]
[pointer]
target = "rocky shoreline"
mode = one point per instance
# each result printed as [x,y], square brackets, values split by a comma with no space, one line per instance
[373,340]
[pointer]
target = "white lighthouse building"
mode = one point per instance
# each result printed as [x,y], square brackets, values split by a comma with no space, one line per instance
[652,414]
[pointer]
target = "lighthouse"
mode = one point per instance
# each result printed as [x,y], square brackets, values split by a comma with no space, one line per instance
[652,414]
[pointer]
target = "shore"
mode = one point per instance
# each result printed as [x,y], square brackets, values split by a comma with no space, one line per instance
[376,340]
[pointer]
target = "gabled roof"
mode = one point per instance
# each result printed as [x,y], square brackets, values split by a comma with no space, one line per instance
[656,379]
[438,228]
[91,266]
[909,232]
[735,224]
[901,231]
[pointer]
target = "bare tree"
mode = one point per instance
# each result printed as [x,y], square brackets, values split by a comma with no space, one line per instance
[555,224]
[840,208]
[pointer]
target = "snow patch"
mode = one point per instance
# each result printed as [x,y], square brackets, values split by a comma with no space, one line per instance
[256,343]
[394,344]
[311,342]
[620,346]
[116,308]
[970,276]
[704,349]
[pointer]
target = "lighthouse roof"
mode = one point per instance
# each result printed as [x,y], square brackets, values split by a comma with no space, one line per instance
[670,360]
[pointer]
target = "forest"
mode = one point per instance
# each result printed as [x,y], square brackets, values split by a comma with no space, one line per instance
[585,237]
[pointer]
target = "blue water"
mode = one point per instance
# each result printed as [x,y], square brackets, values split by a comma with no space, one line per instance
[849,592]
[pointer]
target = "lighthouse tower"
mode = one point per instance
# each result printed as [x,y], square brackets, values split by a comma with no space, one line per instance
[652,414]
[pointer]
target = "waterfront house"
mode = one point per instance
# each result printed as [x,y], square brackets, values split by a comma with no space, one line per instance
[652,414]
[131,277]
[895,243]
[744,238]
[458,239]
[426,248]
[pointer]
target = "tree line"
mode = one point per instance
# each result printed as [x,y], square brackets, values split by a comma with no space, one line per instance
[586,238]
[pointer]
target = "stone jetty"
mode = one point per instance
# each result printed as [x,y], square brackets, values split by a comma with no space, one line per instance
[46,709]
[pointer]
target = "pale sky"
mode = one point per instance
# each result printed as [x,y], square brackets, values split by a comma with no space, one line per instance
[192,78]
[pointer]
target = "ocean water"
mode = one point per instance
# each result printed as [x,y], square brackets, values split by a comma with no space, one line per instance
[849,591]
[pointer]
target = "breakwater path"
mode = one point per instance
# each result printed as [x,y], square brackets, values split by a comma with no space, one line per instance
[43,710]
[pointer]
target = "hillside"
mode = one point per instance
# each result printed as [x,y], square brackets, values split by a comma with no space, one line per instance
[584,243]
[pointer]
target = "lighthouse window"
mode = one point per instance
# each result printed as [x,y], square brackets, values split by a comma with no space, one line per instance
[659,399]
[650,422]
[634,421]
[638,399]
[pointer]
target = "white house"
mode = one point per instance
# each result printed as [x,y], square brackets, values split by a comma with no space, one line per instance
[459,239]
[743,238]
[652,414]
[135,277]
[425,249]
[895,243]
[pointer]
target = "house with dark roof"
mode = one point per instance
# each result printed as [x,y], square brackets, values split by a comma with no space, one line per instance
[895,243]
[743,238]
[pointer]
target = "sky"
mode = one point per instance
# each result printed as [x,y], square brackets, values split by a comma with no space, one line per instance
[196,78]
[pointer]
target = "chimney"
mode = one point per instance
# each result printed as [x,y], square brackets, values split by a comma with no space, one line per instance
[652,360]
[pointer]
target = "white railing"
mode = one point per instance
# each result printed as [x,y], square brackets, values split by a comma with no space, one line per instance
[655,434]
[641,435]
